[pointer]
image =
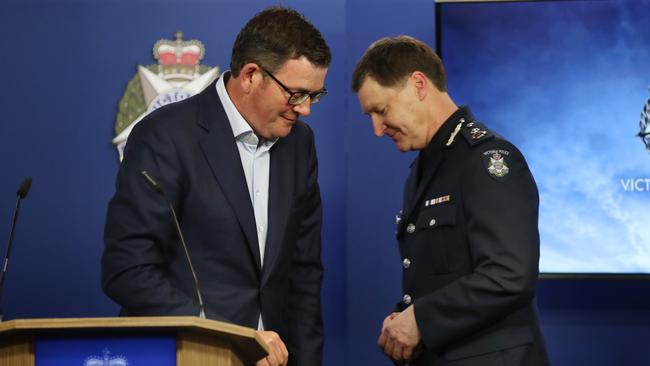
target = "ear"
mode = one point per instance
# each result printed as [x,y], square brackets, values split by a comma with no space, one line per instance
[249,77]
[421,84]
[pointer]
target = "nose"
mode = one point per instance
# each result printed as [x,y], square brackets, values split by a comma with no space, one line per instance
[304,108]
[378,126]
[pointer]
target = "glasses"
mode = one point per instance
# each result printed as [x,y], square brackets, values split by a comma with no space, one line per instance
[298,97]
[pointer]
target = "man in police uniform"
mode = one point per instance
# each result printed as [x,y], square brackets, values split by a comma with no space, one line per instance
[468,235]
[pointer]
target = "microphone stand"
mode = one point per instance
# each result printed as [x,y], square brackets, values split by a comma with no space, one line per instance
[22,192]
[157,187]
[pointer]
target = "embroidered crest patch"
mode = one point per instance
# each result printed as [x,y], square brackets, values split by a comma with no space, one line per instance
[496,163]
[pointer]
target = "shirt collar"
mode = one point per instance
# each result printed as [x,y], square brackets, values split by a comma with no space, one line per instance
[240,127]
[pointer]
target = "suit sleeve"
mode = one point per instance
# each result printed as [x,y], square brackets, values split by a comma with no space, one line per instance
[503,238]
[138,224]
[305,318]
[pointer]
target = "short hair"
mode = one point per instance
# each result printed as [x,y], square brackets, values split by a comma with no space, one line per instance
[391,59]
[276,35]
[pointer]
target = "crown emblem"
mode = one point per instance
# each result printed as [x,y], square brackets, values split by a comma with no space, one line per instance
[178,75]
[178,58]
[106,360]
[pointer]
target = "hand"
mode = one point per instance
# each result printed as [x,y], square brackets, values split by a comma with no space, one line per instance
[278,353]
[400,336]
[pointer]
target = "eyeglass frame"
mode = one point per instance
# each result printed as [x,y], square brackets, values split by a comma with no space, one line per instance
[313,97]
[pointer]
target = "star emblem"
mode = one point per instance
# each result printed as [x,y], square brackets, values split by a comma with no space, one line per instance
[177,76]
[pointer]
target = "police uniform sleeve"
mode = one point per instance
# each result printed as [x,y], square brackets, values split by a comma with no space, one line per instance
[500,203]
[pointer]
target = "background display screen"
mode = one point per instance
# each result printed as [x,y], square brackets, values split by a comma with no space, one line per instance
[568,83]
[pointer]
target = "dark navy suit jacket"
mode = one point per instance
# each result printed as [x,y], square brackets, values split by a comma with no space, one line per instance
[190,148]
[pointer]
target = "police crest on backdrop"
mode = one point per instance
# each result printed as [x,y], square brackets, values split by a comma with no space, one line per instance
[177,76]
[644,125]
[640,184]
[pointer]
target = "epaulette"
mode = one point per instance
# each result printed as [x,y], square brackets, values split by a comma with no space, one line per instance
[476,133]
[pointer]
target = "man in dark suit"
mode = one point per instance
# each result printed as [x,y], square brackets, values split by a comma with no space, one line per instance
[240,169]
[468,235]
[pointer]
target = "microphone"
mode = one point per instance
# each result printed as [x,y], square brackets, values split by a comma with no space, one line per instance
[24,188]
[157,187]
[20,194]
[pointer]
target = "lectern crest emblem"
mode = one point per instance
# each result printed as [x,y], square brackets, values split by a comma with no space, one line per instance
[106,360]
[177,75]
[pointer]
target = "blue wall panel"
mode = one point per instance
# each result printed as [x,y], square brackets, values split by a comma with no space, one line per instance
[376,172]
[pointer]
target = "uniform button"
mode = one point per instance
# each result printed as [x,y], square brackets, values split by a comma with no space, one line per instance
[406,263]
[410,229]
[462,120]
[407,299]
[432,222]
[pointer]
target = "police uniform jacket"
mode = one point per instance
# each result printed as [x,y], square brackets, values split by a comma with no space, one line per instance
[469,245]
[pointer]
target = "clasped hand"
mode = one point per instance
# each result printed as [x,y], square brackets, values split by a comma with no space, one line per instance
[400,336]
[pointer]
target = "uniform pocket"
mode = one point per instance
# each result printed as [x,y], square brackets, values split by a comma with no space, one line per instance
[436,227]
[437,216]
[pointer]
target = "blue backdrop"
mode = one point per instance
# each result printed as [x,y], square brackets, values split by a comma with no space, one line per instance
[65,66]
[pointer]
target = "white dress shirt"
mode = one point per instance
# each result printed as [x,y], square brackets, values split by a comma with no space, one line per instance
[256,163]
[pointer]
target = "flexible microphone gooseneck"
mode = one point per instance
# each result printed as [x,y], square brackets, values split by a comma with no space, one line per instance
[153,183]
[20,194]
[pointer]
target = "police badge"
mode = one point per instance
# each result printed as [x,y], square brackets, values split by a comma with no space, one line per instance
[644,125]
[177,76]
[496,163]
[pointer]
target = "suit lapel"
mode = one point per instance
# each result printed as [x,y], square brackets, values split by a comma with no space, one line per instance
[281,186]
[220,150]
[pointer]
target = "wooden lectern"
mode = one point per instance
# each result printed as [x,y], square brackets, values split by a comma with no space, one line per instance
[199,342]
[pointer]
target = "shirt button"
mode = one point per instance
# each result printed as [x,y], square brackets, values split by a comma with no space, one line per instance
[432,222]
[257,192]
[410,229]
[260,228]
[406,263]
[407,299]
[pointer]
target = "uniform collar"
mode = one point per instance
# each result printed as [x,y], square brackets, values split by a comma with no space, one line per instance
[447,133]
